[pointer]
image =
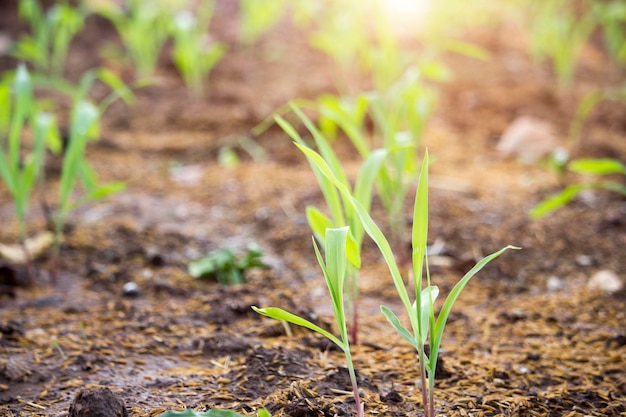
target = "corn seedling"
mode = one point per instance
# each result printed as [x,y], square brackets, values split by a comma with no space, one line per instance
[143,27]
[257,17]
[368,45]
[47,45]
[426,329]
[223,266]
[558,35]
[611,16]
[84,121]
[194,55]
[20,171]
[341,212]
[595,167]
[334,268]
[589,102]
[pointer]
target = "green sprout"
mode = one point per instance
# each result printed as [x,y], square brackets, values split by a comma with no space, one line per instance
[20,171]
[587,166]
[47,45]
[143,28]
[611,16]
[193,54]
[589,102]
[426,328]
[223,266]
[558,35]
[334,268]
[257,17]
[341,212]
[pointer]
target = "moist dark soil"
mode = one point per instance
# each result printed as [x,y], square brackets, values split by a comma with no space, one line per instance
[528,337]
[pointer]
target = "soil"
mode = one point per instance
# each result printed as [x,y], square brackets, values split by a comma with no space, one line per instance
[528,337]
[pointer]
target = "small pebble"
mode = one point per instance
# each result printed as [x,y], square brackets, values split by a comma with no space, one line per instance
[554,284]
[584,260]
[528,139]
[606,281]
[131,289]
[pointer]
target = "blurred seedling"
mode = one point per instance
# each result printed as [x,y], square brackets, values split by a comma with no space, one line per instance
[225,267]
[143,27]
[611,16]
[51,33]
[258,16]
[558,34]
[21,169]
[334,268]
[587,166]
[193,53]
[426,329]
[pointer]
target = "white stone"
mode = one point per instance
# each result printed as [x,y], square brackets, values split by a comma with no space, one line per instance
[554,283]
[606,281]
[528,139]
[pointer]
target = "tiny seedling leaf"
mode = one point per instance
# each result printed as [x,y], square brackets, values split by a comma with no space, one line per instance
[280,314]
[601,166]
[556,201]
[395,323]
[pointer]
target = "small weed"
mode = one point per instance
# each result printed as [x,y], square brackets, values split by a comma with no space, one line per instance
[223,266]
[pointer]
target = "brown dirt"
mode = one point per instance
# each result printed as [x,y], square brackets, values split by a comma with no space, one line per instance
[512,346]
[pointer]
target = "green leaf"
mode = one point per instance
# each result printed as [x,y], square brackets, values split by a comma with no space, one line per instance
[395,323]
[280,314]
[557,201]
[318,222]
[427,296]
[437,332]
[602,166]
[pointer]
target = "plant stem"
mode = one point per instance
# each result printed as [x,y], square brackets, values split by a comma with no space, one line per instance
[355,387]
[426,403]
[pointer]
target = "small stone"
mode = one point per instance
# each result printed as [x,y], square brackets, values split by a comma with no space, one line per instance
[554,284]
[584,260]
[98,402]
[130,289]
[606,281]
[528,139]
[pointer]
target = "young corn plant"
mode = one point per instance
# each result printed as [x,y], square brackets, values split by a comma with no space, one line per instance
[559,34]
[426,329]
[595,167]
[20,171]
[334,269]
[194,55]
[51,33]
[341,212]
[611,16]
[257,17]
[143,28]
